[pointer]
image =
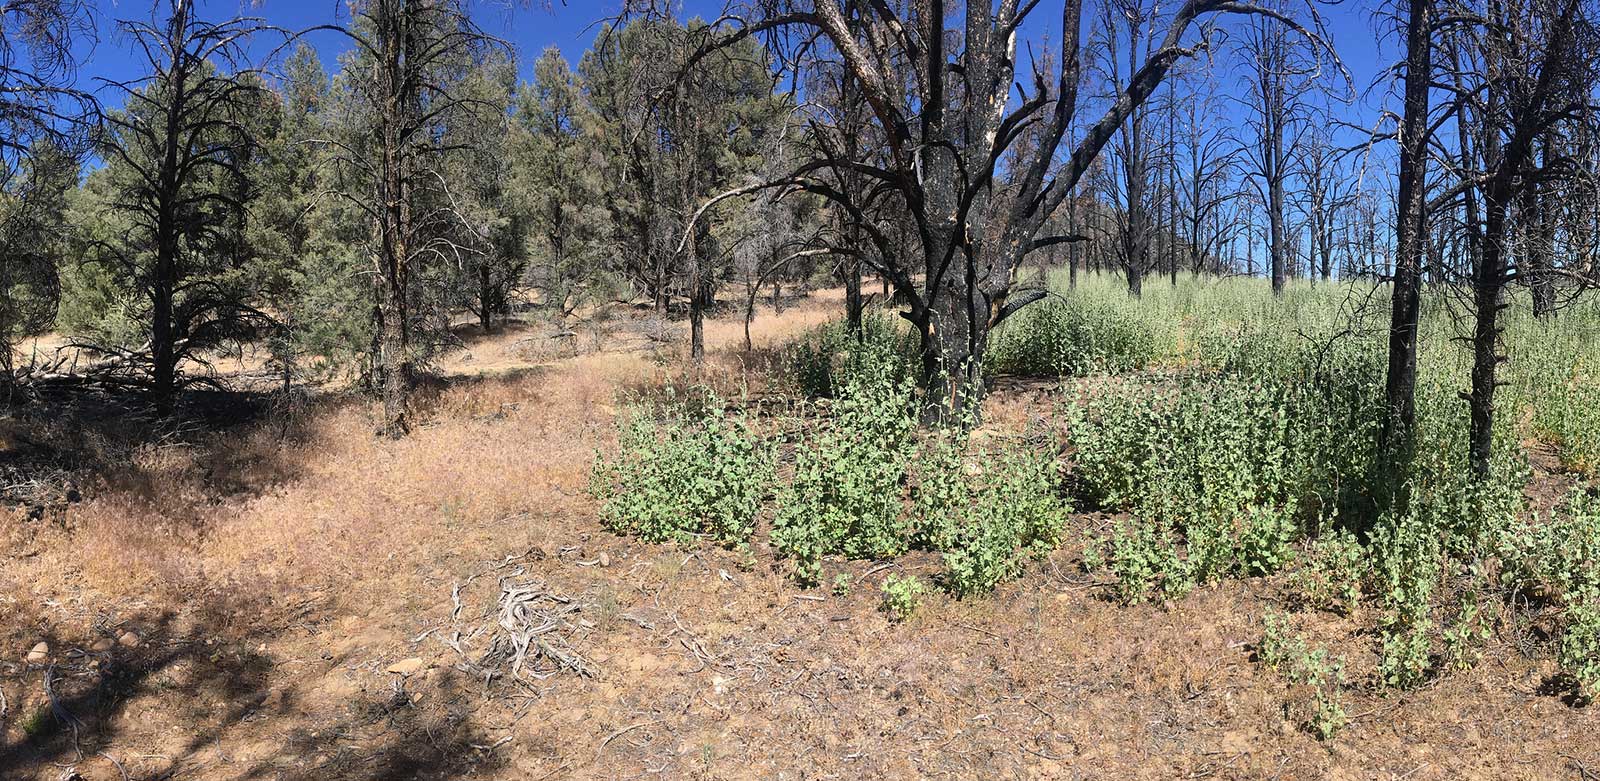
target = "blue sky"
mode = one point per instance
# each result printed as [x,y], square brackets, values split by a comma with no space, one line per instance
[572,27]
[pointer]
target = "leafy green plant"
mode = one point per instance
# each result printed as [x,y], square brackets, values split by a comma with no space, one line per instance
[1264,540]
[1568,415]
[1559,560]
[1012,513]
[1470,629]
[1145,562]
[681,474]
[1580,642]
[831,358]
[1313,668]
[902,596]
[1283,650]
[1408,564]
[849,479]
[1075,337]
[1329,575]
[841,584]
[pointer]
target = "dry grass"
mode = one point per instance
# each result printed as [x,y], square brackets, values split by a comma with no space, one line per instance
[275,572]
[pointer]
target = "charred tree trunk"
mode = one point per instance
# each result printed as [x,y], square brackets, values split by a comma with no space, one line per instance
[697,305]
[1541,227]
[1401,384]
[951,353]
[1487,287]
[854,304]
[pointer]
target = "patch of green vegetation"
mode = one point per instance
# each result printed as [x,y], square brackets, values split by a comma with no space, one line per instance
[1283,650]
[696,471]
[902,596]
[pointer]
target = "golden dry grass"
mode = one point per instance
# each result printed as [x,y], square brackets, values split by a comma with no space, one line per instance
[276,572]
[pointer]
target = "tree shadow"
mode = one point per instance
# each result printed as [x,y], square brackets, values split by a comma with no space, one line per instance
[470,334]
[75,710]
[67,443]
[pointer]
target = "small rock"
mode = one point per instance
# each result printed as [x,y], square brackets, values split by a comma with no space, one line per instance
[605,561]
[408,667]
[129,639]
[39,652]
[101,646]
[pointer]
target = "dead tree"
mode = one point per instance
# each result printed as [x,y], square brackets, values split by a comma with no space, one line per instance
[1207,164]
[1530,69]
[1127,30]
[1400,387]
[1326,193]
[1279,74]
[948,118]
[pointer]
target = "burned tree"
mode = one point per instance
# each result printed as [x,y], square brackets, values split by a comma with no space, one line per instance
[1127,30]
[1400,387]
[1529,67]
[947,122]
[1280,72]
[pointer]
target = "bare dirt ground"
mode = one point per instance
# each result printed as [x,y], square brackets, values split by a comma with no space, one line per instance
[304,601]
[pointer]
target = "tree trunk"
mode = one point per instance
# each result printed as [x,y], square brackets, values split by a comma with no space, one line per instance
[1401,383]
[1541,228]
[1072,247]
[164,375]
[1275,239]
[951,353]
[394,341]
[853,303]
[486,304]
[1488,284]
[750,312]
[697,315]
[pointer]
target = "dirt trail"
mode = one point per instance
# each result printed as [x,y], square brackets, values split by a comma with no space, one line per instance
[251,633]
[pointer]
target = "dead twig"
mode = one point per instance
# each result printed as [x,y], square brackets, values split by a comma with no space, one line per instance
[59,710]
[619,733]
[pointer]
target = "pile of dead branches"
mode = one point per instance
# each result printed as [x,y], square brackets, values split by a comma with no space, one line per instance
[529,632]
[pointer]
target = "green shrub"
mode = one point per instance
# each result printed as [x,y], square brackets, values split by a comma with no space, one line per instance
[1287,653]
[1074,338]
[841,585]
[675,477]
[1229,466]
[1012,512]
[1580,642]
[1569,417]
[902,596]
[865,487]
[1408,561]
[1559,559]
[1145,561]
[849,481]
[830,358]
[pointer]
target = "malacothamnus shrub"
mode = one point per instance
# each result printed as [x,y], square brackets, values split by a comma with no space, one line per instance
[1010,512]
[902,596]
[849,481]
[682,474]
